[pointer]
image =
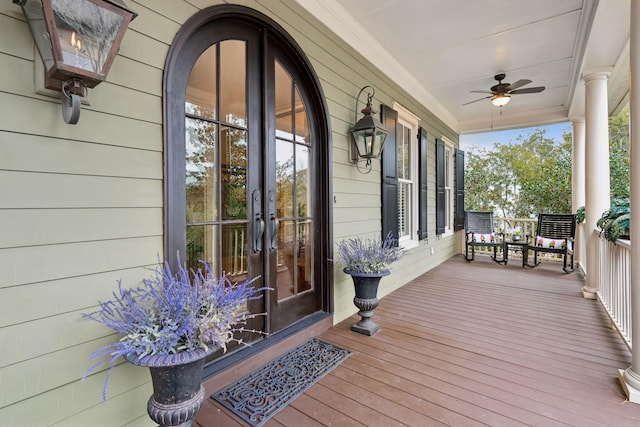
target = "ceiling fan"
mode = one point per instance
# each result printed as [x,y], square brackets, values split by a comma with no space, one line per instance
[500,94]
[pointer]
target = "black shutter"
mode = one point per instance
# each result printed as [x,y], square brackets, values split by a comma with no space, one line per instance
[389,173]
[441,200]
[458,223]
[423,148]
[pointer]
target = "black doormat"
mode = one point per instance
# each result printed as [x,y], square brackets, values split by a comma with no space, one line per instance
[260,395]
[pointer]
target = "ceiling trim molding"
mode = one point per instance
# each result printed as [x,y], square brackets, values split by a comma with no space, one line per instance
[618,85]
[589,8]
[338,20]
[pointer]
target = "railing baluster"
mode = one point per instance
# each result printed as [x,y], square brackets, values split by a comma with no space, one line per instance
[614,284]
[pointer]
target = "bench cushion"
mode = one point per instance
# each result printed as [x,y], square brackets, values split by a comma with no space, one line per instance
[481,238]
[543,242]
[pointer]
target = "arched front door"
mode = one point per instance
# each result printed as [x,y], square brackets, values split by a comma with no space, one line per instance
[247,165]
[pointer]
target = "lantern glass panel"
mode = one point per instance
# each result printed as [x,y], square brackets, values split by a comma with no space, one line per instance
[86,33]
[378,142]
[363,139]
[35,16]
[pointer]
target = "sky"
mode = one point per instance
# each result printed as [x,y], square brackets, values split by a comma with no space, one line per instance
[485,140]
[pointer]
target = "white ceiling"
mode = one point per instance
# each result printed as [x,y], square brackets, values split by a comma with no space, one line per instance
[440,50]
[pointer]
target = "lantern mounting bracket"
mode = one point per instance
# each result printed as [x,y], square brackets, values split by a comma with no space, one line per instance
[72,91]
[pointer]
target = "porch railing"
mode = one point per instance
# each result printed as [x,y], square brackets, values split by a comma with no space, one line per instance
[525,226]
[614,290]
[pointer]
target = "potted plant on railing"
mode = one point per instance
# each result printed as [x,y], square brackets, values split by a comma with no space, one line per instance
[367,261]
[170,324]
[614,223]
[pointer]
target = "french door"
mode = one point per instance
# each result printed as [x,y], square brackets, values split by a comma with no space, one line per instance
[250,170]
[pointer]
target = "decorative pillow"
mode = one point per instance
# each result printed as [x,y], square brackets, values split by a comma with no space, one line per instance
[482,238]
[543,242]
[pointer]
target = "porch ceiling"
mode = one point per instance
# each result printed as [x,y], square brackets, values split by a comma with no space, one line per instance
[441,50]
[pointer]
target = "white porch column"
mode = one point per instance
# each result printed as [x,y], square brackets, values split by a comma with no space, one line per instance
[630,378]
[596,168]
[578,187]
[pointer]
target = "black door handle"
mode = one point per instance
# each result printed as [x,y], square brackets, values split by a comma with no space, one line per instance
[258,222]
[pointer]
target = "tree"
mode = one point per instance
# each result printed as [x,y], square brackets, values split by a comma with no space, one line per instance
[619,154]
[521,179]
[533,175]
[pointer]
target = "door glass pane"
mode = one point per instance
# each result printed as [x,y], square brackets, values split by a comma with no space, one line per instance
[305,257]
[202,246]
[233,81]
[201,87]
[233,161]
[201,171]
[284,179]
[287,262]
[284,112]
[234,251]
[302,122]
[227,252]
[302,174]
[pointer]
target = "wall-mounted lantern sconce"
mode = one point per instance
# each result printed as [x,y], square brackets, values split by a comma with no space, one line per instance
[77,41]
[368,134]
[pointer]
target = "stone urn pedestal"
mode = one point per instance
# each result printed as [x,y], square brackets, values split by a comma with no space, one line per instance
[177,390]
[366,299]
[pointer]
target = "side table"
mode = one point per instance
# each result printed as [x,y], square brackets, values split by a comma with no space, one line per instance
[520,245]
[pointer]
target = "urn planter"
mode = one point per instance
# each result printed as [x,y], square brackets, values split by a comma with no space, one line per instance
[177,390]
[366,299]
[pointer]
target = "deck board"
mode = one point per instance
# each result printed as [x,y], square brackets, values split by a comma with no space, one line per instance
[471,344]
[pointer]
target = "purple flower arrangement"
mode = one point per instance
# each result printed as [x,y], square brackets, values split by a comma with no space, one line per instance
[369,256]
[172,313]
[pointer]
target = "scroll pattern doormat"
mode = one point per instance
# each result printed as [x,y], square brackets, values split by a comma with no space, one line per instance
[263,393]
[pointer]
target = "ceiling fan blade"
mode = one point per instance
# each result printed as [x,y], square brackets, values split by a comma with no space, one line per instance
[482,91]
[519,83]
[476,100]
[536,89]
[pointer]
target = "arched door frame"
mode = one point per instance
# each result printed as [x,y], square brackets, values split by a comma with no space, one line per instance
[180,59]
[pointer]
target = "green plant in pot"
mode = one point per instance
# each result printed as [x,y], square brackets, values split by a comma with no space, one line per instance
[170,324]
[615,222]
[367,261]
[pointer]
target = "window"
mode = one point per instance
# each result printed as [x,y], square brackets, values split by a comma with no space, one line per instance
[404,173]
[406,136]
[449,187]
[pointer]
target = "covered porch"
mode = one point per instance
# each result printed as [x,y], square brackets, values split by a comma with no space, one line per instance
[470,344]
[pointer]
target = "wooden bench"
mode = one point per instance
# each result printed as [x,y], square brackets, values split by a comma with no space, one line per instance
[555,234]
[480,231]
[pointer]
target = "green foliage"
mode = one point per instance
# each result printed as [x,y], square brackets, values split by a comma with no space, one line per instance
[619,154]
[533,175]
[580,215]
[614,223]
[521,179]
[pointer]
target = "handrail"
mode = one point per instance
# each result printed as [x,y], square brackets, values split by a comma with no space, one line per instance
[614,290]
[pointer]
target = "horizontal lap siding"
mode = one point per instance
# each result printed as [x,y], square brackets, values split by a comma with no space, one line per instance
[81,206]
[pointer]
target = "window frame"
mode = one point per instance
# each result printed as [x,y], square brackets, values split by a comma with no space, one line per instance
[449,185]
[408,120]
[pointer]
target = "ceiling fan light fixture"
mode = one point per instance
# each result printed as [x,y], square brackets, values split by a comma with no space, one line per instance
[500,100]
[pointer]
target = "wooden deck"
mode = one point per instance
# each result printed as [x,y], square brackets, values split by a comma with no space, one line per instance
[471,344]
